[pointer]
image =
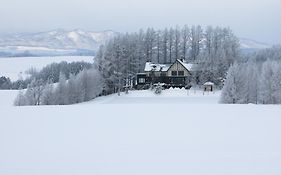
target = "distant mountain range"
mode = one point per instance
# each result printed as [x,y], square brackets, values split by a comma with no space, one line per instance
[75,42]
[56,42]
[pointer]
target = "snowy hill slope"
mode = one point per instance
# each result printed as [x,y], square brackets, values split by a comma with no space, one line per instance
[252,44]
[141,138]
[249,45]
[56,42]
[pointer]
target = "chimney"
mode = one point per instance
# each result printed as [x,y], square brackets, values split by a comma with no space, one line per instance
[181,59]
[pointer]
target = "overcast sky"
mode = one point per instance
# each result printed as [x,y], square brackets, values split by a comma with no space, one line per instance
[256,19]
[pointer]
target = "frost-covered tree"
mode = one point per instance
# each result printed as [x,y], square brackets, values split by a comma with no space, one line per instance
[177,43]
[61,96]
[276,84]
[269,84]
[74,93]
[34,92]
[241,85]
[20,99]
[48,96]
[165,46]
[196,38]
[53,71]
[265,84]
[85,86]
[230,90]
[253,82]
[220,48]
[185,39]
[171,44]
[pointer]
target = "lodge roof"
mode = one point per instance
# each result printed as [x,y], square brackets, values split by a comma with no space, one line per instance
[188,66]
[149,66]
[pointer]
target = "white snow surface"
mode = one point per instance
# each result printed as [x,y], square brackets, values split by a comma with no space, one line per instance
[171,133]
[171,96]
[16,67]
[149,66]
[7,97]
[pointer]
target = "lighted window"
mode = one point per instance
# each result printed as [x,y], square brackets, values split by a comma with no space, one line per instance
[141,80]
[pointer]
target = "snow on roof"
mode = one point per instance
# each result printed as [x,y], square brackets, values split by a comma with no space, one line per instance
[185,64]
[149,66]
[209,83]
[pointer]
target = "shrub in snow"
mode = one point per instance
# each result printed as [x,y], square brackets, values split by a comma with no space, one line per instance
[158,89]
[5,83]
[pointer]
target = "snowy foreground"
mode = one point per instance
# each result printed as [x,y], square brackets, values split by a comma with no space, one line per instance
[141,134]
[16,67]
[171,96]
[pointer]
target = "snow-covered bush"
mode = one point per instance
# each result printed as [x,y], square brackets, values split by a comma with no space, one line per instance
[158,89]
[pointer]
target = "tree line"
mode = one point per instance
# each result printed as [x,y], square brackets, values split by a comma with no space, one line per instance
[50,72]
[82,87]
[256,80]
[212,49]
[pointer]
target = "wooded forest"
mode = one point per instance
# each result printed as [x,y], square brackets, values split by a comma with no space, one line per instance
[212,50]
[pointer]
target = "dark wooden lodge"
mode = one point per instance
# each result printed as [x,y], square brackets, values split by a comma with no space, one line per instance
[177,74]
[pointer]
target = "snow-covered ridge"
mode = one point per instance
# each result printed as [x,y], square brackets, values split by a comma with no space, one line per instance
[55,42]
[246,43]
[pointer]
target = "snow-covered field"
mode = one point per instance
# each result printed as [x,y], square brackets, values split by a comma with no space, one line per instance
[141,134]
[15,67]
[171,96]
[7,97]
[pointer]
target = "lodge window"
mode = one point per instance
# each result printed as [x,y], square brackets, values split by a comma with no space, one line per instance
[174,73]
[141,80]
[180,73]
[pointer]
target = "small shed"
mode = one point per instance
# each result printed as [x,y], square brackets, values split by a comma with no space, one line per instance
[208,86]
